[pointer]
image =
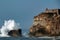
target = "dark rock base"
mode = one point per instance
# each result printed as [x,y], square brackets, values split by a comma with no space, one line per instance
[15,33]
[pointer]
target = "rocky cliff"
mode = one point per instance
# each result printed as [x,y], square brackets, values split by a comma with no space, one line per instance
[15,33]
[46,23]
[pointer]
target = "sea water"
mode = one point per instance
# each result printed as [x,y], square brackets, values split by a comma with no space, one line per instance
[24,38]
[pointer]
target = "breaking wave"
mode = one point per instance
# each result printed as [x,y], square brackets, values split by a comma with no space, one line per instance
[8,25]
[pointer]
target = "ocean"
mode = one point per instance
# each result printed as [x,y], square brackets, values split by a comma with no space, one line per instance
[23,38]
[28,38]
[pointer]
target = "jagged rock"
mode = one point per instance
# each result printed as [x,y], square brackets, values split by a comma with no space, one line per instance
[46,23]
[15,33]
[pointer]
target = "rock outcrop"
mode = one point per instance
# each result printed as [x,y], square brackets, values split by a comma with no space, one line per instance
[46,23]
[15,33]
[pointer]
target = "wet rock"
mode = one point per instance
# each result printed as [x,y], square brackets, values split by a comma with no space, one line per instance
[46,23]
[15,33]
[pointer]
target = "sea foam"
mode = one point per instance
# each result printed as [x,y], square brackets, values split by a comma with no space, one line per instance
[8,25]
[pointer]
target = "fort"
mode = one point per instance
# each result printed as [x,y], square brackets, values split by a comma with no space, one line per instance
[46,23]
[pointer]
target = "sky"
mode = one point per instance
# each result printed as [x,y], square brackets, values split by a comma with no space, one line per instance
[23,11]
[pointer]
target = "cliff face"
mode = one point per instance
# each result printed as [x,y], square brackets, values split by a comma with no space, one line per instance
[15,33]
[46,23]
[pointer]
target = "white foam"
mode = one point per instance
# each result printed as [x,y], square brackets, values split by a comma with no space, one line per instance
[9,25]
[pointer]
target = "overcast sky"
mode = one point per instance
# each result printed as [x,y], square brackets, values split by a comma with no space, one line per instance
[23,11]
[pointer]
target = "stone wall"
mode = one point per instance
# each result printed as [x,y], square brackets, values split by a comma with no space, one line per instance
[46,24]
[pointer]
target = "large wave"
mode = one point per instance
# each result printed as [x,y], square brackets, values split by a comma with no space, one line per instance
[8,25]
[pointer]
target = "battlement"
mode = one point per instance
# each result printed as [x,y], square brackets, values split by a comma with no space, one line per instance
[57,11]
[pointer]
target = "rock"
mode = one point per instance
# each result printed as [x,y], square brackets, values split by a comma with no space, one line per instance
[15,33]
[46,23]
